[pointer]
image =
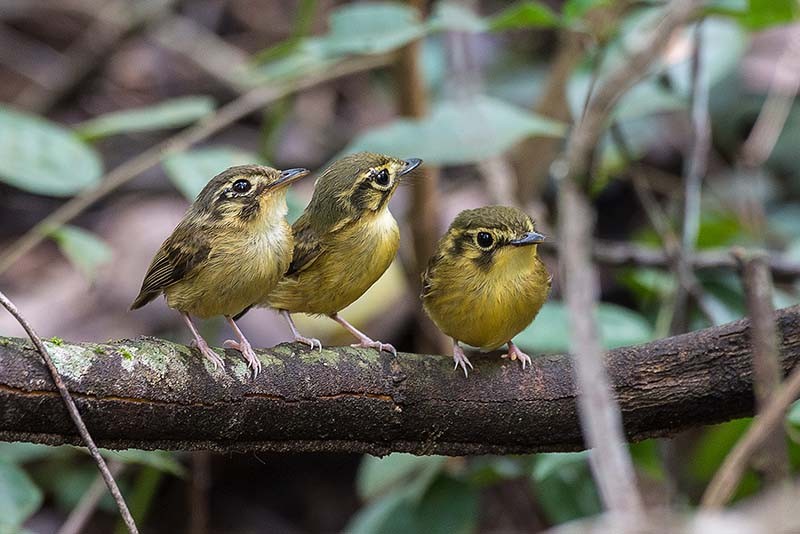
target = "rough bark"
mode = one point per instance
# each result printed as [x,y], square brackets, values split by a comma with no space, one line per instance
[149,393]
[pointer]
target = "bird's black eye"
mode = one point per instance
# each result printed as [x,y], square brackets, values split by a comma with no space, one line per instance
[382,178]
[484,239]
[241,186]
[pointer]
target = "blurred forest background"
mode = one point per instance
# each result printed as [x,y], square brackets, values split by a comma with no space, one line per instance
[126,106]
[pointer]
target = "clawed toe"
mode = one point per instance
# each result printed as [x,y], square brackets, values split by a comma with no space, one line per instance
[461,359]
[310,341]
[215,359]
[515,353]
[370,344]
[249,354]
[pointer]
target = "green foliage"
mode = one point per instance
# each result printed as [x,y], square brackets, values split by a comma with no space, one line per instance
[371,28]
[19,497]
[164,115]
[377,476]
[407,493]
[526,14]
[162,461]
[563,486]
[458,132]
[84,250]
[44,158]
[550,332]
[756,14]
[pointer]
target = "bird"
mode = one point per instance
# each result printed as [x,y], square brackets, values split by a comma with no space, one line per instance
[227,253]
[485,282]
[344,241]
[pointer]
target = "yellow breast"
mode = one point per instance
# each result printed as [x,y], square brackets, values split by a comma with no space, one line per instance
[241,270]
[351,262]
[486,309]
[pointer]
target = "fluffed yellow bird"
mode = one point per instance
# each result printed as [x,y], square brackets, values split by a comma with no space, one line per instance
[227,253]
[485,283]
[344,241]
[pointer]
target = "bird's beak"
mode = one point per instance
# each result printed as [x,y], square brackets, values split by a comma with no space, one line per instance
[410,165]
[288,176]
[528,238]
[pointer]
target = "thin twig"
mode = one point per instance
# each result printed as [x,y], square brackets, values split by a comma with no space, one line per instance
[73,413]
[82,513]
[599,411]
[773,460]
[235,110]
[727,478]
[772,117]
[696,164]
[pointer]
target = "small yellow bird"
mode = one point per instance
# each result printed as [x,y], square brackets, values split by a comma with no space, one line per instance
[485,283]
[344,241]
[227,253]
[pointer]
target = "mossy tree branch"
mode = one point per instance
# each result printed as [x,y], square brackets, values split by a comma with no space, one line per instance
[149,393]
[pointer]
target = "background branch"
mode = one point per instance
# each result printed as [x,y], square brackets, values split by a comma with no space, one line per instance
[153,394]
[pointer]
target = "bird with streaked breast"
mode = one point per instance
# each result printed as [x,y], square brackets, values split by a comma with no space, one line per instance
[485,283]
[227,253]
[344,241]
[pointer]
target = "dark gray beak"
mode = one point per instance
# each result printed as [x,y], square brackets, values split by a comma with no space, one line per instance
[529,238]
[288,176]
[411,164]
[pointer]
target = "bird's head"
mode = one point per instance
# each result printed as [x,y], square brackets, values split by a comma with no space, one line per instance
[246,193]
[362,182]
[492,237]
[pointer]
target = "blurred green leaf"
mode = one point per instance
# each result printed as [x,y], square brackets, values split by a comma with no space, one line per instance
[550,331]
[452,16]
[43,157]
[371,28]
[551,463]
[84,250]
[793,415]
[376,476]
[712,448]
[458,132]
[449,507]
[485,470]
[391,514]
[21,452]
[762,14]
[19,497]
[164,115]
[161,460]
[564,487]
[525,14]
[191,171]
[303,57]
[647,458]
[574,10]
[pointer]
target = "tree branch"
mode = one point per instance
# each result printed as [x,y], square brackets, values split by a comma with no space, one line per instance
[152,394]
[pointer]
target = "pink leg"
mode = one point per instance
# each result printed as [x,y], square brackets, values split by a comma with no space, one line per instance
[243,346]
[363,340]
[514,353]
[310,341]
[201,344]
[460,358]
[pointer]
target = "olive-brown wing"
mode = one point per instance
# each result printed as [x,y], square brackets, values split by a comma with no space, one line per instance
[180,254]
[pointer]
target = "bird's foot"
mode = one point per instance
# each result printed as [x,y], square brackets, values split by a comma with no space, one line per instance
[247,351]
[515,353]
[461,359]
[206,351]
[368,343]
[310,341]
